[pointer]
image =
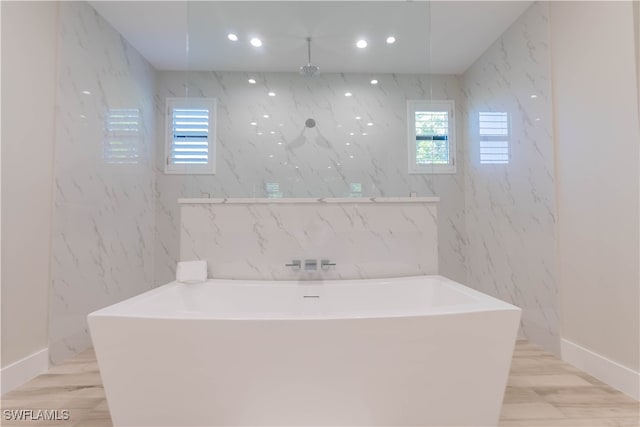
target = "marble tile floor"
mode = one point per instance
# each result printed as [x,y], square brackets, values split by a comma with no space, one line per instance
[542,391]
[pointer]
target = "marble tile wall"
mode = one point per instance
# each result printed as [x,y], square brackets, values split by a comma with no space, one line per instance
[319,162]
[103,226]
[116,219]
[510,208]
[371,238]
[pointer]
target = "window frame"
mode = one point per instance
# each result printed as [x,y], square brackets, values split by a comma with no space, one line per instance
[494,138]
[191,169]
[414,105]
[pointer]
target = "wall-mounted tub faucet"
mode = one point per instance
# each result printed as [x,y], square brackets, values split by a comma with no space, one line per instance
[310,264]
[295,264]
[326,264]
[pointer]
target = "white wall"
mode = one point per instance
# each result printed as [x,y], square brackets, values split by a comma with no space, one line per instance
[29,35]
[597,134]
[379,160]
[103,220]
[636,20]
[597,196]
[510,208]
[248,240]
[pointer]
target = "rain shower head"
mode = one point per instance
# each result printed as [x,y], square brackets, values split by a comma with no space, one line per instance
[309,70]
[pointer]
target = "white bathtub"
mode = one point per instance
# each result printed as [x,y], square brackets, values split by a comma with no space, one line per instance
[413,351]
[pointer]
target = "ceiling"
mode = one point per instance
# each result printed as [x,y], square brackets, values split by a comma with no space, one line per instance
[443,37]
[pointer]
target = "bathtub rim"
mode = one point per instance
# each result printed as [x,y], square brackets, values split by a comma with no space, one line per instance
[483,302]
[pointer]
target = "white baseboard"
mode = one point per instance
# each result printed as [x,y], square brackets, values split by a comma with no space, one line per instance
[18,373]
[616,375]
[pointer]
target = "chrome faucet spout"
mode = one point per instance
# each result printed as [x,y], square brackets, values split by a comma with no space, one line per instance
[326,264]
[295,264]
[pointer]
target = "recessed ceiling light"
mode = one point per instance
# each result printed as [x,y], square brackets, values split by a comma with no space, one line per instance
[364,134]
[252,81]
[279,142]
[351,133]
[86,92]
[266,116]
[328,167]
[369,124]
[271,94]
[254,124]
[358,117]
[361,43]
[348,143]
[348,94]
[272,132]
[270,155]
[232,37]
[534,96]
[256,42]
[391,40]
[351,156]
[259,133]
[374,82]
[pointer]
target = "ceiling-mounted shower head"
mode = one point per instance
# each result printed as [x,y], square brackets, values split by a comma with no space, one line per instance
[309,70]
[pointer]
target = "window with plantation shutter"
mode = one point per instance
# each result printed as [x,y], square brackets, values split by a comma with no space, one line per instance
[431,136]
[494,132]
[122,129]
[191,136]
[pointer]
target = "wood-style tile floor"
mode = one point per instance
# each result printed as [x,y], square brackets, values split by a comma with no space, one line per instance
[542,391]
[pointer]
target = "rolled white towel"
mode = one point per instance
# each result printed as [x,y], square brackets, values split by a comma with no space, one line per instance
[191,271]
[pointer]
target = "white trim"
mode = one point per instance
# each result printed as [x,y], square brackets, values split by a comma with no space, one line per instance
[18,373]
[322,200]
[193,169]
[431,105]
[616,375]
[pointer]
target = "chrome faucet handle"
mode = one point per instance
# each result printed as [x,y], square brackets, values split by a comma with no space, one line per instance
[310,264]
[295,264]
[325,264]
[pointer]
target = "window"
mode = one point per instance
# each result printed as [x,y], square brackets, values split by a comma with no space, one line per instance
[191,136]
[273,190]
[122,136]
[355,189]
[431,136]
[494,137]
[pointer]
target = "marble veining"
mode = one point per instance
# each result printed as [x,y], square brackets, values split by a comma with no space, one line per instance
[116,226]
[103,225]
[510,208]
[364,240]
[343,156]
[249,201]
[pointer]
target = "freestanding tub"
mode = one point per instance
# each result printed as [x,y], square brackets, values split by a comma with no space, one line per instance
[413,351]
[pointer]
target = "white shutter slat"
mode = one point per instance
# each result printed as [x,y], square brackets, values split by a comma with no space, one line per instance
[432,134]
[493,129]
[122,136]
[190,139]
